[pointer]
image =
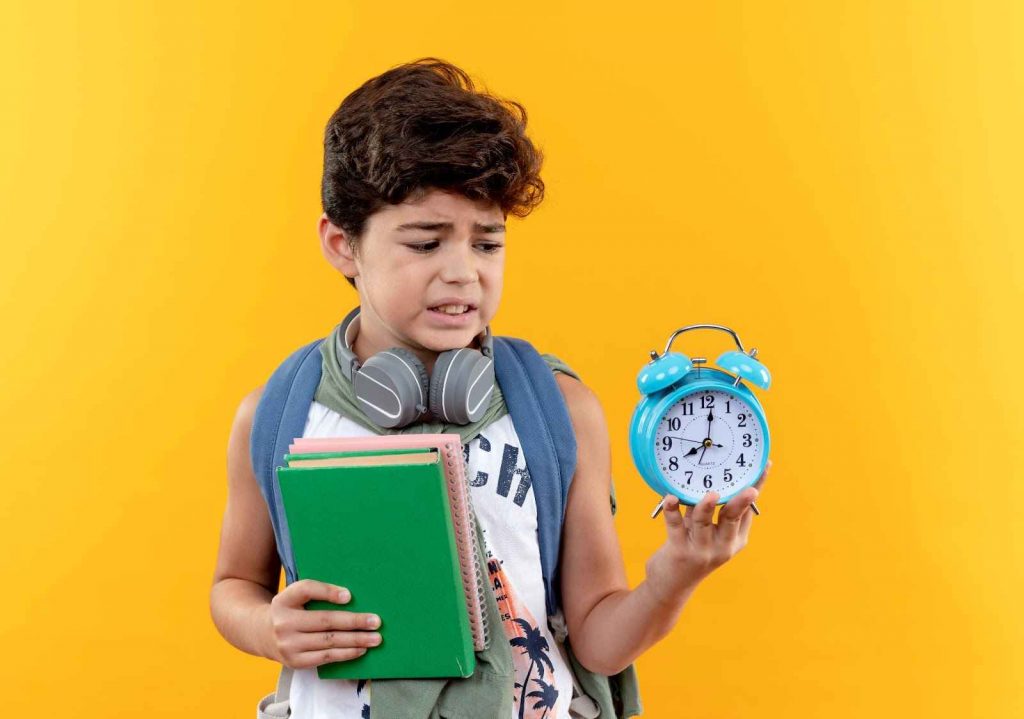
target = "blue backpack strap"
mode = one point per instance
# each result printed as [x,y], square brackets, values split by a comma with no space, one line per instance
[281,417]
[544,427]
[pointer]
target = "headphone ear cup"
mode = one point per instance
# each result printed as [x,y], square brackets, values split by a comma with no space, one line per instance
[391,387]
[461,385]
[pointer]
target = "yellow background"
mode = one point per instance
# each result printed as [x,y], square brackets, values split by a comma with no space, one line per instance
[839,182]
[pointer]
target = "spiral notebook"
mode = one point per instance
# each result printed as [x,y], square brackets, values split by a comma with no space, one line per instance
[392,524]
[463,519]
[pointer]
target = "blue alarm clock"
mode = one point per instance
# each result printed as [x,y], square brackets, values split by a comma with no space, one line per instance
[698,429]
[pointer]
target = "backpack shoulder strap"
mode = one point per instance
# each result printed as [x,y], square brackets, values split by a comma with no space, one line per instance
[543,425]
[281,417]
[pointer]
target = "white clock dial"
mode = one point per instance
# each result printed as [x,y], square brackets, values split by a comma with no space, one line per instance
[709,440]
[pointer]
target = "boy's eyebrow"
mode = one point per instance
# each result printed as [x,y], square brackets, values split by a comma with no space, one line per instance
[489,228]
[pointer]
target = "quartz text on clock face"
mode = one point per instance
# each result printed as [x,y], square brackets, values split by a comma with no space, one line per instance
[709,440]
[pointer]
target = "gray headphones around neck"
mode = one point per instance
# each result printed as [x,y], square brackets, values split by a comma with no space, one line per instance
[394,389]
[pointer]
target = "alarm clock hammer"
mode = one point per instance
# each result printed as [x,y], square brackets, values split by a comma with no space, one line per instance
[676,391]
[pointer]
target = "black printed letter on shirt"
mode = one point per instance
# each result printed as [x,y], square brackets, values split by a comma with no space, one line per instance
[509,470]
[481,477]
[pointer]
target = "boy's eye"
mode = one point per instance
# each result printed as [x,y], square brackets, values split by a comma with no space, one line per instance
[488,247]
[423,246]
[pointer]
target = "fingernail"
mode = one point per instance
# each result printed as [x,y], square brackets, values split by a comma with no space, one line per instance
[344,596]
[373,622]
[375,639]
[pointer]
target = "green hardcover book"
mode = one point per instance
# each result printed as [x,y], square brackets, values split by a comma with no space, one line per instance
[385,532]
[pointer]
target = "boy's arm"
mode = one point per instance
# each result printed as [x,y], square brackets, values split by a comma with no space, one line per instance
[248,570]
[610,625]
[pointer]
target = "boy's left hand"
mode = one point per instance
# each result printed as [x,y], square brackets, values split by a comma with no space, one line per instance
[695,545]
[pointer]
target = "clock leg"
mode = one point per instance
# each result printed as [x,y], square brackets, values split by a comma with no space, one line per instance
[661,506]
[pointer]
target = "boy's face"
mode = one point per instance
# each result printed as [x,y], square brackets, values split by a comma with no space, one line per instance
[435,247]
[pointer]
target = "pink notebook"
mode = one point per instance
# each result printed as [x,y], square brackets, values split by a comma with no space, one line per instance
[463,521]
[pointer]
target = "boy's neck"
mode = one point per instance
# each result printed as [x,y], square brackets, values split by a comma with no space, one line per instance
[428,357]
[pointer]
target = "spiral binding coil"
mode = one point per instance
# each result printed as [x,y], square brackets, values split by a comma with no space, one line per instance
[480,586]
[461,492]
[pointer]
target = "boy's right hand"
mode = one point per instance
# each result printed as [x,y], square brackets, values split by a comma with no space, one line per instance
[301,638]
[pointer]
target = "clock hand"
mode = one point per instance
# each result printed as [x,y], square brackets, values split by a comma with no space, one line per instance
[711,417]
[701,459]
[695,441]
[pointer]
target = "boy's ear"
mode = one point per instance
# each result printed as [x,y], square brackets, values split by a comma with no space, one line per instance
[335,245]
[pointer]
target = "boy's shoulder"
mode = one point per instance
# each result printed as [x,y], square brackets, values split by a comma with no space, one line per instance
[581,402]
[247,407]
[558,366]
[584,407]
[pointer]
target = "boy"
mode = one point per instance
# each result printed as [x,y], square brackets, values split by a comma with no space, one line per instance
[420,173]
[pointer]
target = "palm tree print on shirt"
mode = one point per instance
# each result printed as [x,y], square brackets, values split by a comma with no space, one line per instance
[524,634]
[547,695]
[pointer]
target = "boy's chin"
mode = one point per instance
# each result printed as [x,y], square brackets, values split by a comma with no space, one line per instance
[444,339]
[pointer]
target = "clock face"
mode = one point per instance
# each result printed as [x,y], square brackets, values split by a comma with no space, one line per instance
[709,440]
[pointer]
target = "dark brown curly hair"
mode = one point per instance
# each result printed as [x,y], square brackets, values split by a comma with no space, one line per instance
[424,125]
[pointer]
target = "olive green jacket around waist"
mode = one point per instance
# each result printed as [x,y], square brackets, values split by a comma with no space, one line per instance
[488,693]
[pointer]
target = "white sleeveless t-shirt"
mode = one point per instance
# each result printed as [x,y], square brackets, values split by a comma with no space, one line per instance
[501,493]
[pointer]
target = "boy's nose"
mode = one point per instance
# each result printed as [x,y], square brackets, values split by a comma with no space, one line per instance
[459,267]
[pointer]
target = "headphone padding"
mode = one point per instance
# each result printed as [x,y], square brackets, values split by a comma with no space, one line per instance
[391,387]
[461,385]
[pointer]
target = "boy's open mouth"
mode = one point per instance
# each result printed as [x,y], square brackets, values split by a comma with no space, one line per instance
[452,309]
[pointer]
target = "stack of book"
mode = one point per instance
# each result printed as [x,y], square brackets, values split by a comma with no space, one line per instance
[389,518]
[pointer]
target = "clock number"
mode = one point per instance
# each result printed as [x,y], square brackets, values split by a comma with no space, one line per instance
[689,476]
[674,423]
[743,420]
[727,403]
[687,408]
[707,402]
[673,463]
[726,475]
[746,440]
[666,443]
[707,481]
[740,461]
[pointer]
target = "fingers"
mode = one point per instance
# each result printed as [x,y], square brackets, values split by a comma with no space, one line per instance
[310,637]
[748,516]
[732,514]
[298,593]
[745,521]
[318,641]
[673,517]
[700,519]
[734,508]
[305,660]
[324,620]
